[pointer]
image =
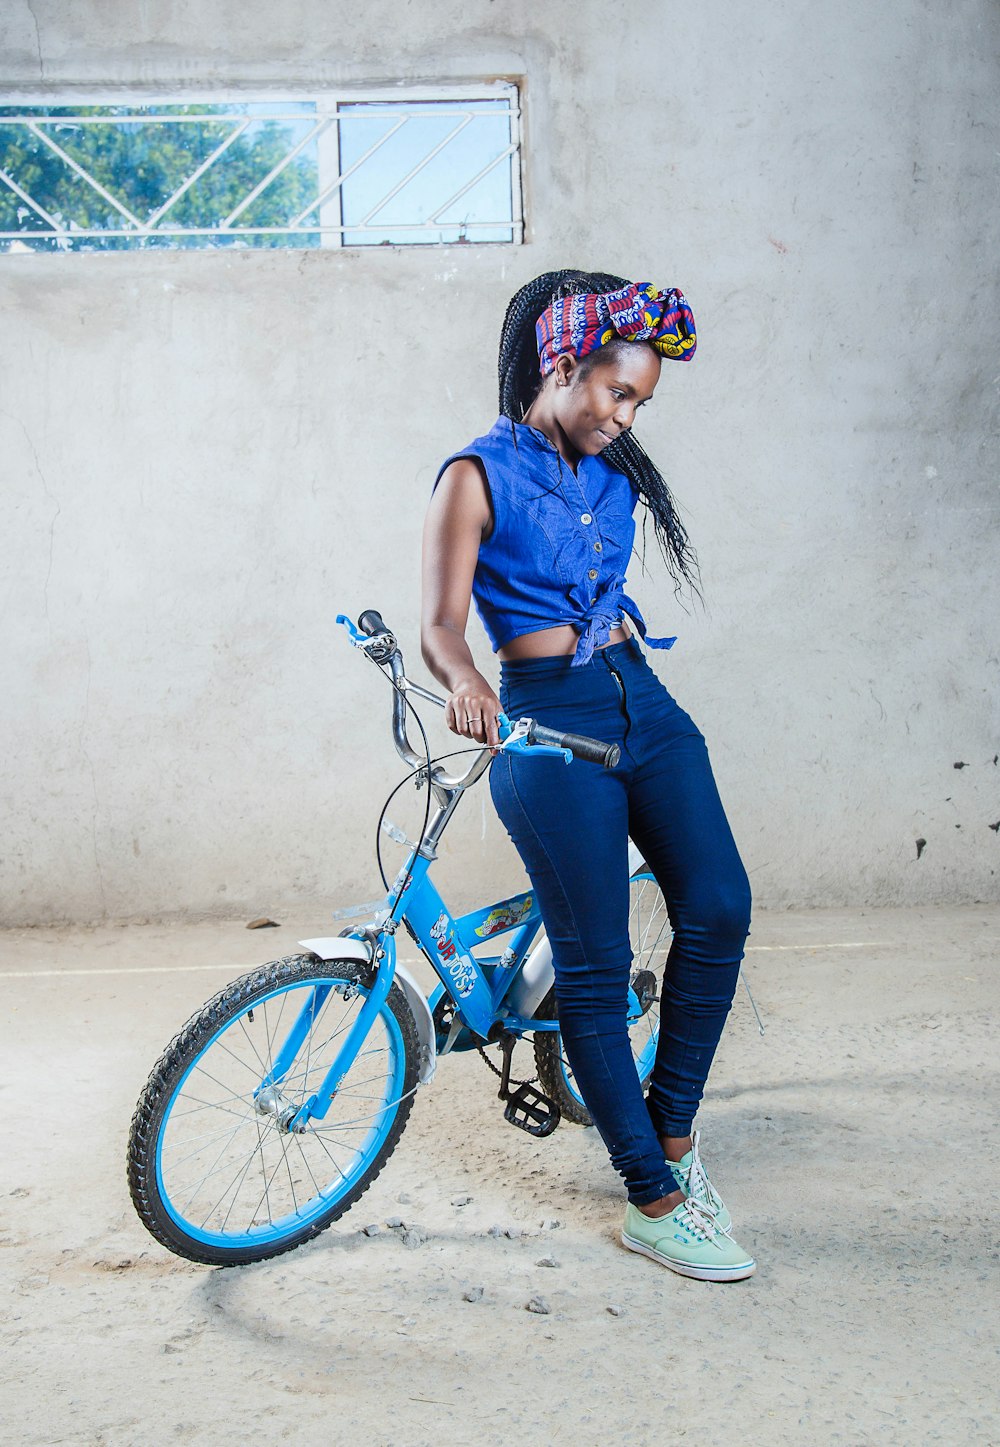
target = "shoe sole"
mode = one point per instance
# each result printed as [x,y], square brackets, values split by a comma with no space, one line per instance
[699,1273]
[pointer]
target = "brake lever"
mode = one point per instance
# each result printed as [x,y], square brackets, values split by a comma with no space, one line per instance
[514,740]
[358,638]
[370,644]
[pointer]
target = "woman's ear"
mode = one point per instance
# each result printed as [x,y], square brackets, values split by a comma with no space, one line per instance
[564,368]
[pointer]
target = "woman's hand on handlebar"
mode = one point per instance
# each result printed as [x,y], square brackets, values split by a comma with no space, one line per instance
[472,710]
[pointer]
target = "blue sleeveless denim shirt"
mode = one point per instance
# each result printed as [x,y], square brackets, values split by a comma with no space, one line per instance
[560,544]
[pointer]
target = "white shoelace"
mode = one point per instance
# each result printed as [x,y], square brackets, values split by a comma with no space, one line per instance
[700,1188]
[698,1220]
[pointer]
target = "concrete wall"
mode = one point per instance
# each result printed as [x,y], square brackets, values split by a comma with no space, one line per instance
[206,456]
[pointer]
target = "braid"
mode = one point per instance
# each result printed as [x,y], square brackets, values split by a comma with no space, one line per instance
[520,380]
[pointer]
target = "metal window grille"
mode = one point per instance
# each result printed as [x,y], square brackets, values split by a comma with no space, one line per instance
[428,168]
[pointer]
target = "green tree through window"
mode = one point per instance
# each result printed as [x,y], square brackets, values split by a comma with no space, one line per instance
[141,164]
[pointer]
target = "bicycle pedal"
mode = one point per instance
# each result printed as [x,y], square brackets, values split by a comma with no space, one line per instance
[529,1110]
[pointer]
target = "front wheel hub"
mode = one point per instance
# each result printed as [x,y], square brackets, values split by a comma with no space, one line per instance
[271,1102]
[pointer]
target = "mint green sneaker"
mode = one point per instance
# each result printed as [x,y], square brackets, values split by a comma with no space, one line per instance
[692,1179]
[687,1241]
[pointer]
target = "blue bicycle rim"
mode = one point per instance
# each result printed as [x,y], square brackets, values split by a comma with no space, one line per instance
[287,1152]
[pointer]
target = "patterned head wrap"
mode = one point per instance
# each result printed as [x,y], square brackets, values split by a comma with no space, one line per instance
[582,323]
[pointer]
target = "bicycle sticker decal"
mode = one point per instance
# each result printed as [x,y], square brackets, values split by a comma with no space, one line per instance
[401,883]
[462,974]
[505,916]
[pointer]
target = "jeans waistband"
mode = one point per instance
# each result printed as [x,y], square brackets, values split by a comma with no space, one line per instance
[552,665]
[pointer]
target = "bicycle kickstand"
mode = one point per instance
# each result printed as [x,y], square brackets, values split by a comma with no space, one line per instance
[527,1108]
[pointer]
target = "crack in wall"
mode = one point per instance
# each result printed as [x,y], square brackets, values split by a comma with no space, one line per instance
[38,39]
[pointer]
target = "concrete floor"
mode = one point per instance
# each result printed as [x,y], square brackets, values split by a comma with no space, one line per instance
[856,1144]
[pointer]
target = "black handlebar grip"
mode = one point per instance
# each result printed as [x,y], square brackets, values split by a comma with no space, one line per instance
[592,751]
[371,623]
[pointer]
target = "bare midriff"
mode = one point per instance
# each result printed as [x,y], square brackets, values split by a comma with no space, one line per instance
[551,643]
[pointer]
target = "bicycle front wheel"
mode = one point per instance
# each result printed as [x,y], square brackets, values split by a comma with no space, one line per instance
[650,935]
[214,1171]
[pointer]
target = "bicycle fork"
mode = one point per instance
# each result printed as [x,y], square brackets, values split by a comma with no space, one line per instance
[268,1097]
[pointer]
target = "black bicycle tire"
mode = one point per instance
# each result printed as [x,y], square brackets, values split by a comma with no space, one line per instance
[169,1070]
[548,1067]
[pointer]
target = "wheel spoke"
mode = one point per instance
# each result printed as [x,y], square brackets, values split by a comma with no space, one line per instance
[238,1184]
[333,1160]
[199,1142]
[649,926]
[211,1170]
[201,1105]
[202,1071]
[267,1185]
[360,1120]
[305,1161]
[263,1067]
[277,1026]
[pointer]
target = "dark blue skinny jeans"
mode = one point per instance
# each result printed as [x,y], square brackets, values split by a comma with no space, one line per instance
[571,827]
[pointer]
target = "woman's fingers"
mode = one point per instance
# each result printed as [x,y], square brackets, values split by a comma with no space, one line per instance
[477,726]
[474,716]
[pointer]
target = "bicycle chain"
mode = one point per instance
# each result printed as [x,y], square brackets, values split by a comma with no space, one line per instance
[443,1016]
[499,1073]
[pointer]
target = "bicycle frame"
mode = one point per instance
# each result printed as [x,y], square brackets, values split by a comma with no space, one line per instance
[482,1000]
[478,986]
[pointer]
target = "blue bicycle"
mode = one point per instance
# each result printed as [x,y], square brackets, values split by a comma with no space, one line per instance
[277,1105]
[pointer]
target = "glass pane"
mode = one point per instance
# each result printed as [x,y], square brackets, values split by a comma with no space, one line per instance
[406,189]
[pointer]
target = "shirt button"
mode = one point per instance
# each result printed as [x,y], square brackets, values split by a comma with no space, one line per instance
[598,547]
[592,573]
[586,518]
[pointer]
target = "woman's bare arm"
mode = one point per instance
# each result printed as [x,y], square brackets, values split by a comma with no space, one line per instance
[458,517]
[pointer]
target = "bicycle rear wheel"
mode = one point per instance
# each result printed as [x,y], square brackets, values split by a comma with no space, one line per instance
[650,935]
[214,1172]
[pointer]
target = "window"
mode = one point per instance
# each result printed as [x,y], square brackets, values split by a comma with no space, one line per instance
[398,169]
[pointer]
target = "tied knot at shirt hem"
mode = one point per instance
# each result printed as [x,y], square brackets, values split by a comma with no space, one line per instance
[597,630]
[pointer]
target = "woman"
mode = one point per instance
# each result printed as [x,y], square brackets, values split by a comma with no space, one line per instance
[534,520]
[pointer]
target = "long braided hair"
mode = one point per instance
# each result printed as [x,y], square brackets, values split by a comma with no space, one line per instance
[520,380]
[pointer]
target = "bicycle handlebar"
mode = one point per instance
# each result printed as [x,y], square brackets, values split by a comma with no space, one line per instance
[385,649]
[371,622]
[592,751]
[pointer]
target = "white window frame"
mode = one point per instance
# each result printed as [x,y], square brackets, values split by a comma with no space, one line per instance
[329,228]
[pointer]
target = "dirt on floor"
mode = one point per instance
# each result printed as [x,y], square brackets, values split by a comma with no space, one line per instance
[855,1144]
